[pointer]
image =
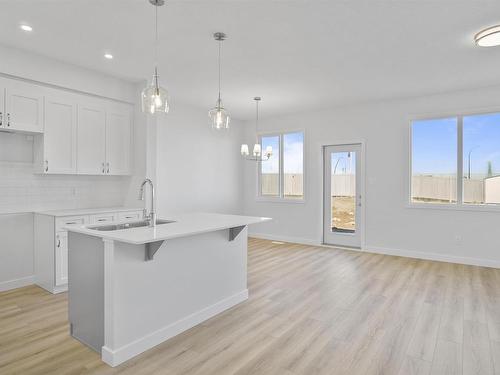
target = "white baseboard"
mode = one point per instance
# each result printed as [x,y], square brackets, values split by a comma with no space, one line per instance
[16,283]
[272,237]
[120,355]
[390,251]
[434,256]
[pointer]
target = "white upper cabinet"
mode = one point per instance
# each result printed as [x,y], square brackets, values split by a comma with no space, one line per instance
[23,107]
[60,138]
[91,139]
[73,133]
[118,127]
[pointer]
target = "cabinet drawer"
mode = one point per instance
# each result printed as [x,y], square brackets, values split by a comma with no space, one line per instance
[130,216]
[69,220]
[103,218]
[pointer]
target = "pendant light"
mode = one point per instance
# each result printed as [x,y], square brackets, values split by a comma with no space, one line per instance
[257,154]
[219,118]
[154,97]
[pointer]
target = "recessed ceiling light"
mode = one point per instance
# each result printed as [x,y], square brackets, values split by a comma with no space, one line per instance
[26,28]
[109,56]
[489,37]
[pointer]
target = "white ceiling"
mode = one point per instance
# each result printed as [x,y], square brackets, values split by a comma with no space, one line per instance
[297,55]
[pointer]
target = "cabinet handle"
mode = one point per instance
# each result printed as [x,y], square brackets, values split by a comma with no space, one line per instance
[101,219]
[8,119]
[1,118]
[103,169]
[71,223]
[107,164]
[58,242]
[46,165]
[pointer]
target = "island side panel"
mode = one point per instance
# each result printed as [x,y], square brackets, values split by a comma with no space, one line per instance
[86,289]
[189,280]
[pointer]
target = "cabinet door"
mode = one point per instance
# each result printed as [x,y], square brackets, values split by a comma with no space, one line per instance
[91,140]
[23,107]
[59,143]
[61,253]
[118,127]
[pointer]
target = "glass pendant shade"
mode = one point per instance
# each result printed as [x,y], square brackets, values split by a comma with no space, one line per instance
[219,118]
[154,97]
[256,149]
[244,150]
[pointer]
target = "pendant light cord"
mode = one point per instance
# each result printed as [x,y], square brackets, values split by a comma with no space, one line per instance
[220,45]
[156,36]
[256,121]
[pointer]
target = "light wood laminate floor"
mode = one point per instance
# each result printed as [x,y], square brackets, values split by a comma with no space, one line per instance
[312,310]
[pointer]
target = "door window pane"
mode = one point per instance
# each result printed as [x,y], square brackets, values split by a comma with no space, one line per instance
[293,158]
[270,169]
[343,191]
[481,159]
[434,161]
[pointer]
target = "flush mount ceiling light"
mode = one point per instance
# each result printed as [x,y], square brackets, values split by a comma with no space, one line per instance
[219,118]
[26,28]
[154,97]
[489,37]
[108,56]
[257,148]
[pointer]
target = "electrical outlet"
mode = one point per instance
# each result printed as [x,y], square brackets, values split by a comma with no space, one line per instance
[458,238]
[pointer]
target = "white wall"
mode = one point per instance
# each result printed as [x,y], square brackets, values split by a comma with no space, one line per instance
[390,226]
[18,63]
[21,191]
[197,169]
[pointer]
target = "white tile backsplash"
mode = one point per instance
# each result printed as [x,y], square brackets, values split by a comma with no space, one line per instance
[21,190]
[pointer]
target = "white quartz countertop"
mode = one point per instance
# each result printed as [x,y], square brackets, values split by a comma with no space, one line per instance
[87,211]
[185,225]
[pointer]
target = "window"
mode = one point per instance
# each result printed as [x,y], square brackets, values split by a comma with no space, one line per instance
[481,159]
[282,176]
[456,160]
[434,161]
[270,169]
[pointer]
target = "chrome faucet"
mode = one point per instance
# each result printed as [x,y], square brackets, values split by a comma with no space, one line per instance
[152,214]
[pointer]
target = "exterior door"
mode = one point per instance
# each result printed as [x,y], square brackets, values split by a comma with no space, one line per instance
[3,116]
[343,220]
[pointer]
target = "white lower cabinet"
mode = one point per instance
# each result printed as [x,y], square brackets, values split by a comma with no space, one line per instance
[61,258]
[51,243]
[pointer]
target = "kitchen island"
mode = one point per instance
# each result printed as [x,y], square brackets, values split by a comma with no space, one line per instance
[131,288]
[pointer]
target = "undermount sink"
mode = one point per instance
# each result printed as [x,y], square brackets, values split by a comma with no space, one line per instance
[133,224]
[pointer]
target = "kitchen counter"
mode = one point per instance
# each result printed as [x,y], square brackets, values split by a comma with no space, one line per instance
[132,289]
[182,226]
[86,211]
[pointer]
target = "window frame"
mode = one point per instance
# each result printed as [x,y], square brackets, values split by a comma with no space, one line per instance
[459,205]
[281,198]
